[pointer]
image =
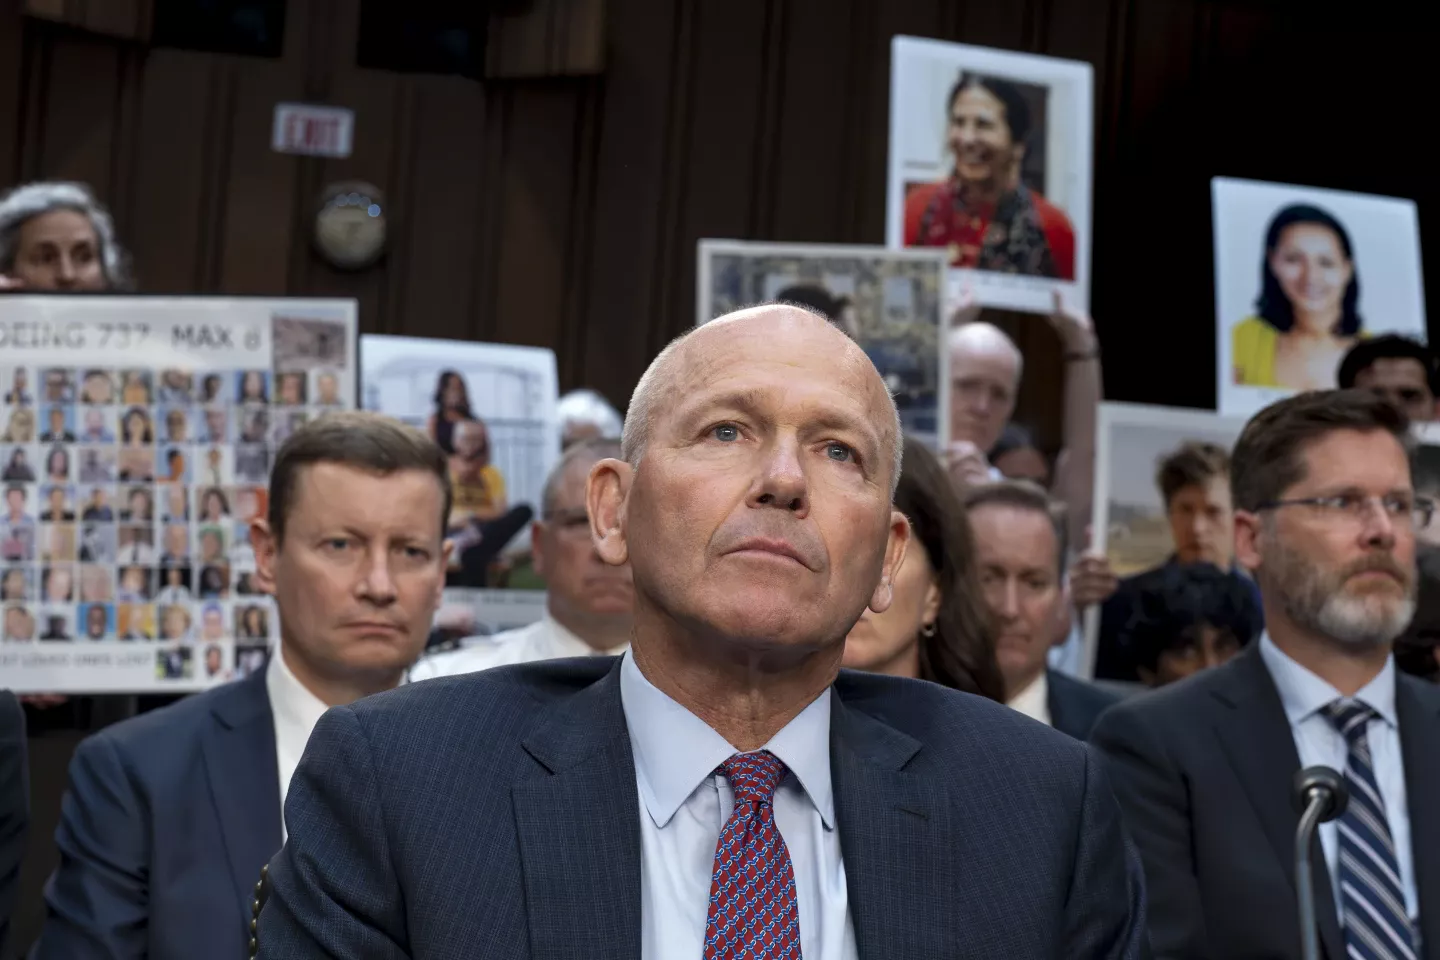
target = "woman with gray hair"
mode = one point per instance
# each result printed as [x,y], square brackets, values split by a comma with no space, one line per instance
[57,236]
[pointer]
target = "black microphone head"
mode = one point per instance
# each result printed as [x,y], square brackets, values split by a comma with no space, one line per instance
[1322,782]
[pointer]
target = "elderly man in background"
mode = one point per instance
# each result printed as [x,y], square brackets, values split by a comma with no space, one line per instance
[588,602]
[57,236]
[171,815]
[718,790]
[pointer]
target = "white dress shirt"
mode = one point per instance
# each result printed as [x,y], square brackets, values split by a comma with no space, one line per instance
[545,639]
[1303,695]
[295,711]
[1034,700]
[685,801]
[136,553]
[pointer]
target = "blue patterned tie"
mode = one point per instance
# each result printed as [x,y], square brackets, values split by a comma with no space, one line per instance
[1377,925]
[753,912]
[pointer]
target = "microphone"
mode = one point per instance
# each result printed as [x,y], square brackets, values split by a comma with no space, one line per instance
[1319,794]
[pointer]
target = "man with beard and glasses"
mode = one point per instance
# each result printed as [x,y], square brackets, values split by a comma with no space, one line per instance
[1325,515]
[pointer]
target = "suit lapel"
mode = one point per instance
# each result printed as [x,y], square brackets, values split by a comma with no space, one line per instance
[887,836]
[578,827]
[1255,734]
[1418,710]
[244,781]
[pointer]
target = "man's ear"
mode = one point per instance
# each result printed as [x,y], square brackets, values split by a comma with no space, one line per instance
[1249,539]
[895,549]
[266,548]
[607,491]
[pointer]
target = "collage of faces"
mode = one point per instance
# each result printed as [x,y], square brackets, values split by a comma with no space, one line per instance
[127,500]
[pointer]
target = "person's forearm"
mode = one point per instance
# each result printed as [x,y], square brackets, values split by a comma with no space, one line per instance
[1075,470]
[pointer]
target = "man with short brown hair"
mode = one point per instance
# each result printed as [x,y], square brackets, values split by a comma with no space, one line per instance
[171,815]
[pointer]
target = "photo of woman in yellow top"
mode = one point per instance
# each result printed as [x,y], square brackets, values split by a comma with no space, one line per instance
[1306,316]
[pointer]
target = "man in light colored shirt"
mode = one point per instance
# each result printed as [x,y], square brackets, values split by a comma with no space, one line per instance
[171,815]
[1020,537]
[723,789]
[1326,515]
[588,602]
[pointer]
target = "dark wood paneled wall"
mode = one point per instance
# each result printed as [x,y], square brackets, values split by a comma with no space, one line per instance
[564,211]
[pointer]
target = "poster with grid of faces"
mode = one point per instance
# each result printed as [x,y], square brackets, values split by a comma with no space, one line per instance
[136,439]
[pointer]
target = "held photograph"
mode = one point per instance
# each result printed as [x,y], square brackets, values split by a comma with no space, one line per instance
[890,302]
[990,163]
[1303,274]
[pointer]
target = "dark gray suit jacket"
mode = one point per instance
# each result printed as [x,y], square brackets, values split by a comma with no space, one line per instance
[169,817]
[1075,705]
[1203,770]
[496,815]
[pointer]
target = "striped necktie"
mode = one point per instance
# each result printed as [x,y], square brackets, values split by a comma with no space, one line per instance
[1377,925]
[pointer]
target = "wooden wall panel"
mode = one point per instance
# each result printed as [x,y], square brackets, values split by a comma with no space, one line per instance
[564,210]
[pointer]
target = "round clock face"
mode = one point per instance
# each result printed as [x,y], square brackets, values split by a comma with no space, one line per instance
[350,231]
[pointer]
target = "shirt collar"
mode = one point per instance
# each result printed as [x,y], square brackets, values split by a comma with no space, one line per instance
[675,750]
[1034,700]
[296,709]
[565,643]
[1304,694]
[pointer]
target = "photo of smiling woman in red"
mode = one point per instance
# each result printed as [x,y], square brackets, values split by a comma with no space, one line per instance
[988,212]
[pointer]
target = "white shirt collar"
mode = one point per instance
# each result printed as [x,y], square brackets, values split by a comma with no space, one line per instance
[1303,694]
[296,709]
[565,643]
[675,750]
[1034,700]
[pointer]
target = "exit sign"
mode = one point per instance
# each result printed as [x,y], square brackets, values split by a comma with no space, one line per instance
[313,131]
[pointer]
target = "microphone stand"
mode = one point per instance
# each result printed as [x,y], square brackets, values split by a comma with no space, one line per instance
[1304,879]
[1321,795]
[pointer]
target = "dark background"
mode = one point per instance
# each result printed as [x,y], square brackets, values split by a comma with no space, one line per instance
[563,211]
[556,201]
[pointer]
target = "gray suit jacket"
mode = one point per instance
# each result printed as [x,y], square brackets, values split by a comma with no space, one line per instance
[1203,770]
[495,814]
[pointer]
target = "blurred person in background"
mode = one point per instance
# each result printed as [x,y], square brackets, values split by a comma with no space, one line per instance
[937,627]
[1403,371]
[1188,618]
[57,236]
[481,523]
[169,816]
[452,407]
[20,427]
[1307,314]
[1417,650]
[985,371]
[588,603]
[585,415]
[1017,457]
[984,213]
[1020,552]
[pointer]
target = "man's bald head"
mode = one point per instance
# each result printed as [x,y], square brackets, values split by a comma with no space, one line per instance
[988,340]
[685,357]
[985,367]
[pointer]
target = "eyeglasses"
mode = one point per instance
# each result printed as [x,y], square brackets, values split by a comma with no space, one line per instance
[1404,509]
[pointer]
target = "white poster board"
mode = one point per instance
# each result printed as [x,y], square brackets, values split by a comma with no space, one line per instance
[511,389]
[995,171]
[136,439]
[889,301]
[1130,525]
[1290,259]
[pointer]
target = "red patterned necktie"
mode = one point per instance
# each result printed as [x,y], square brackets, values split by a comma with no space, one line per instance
[753,910]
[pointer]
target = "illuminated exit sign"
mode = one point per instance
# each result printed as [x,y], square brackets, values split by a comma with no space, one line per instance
[313,131]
